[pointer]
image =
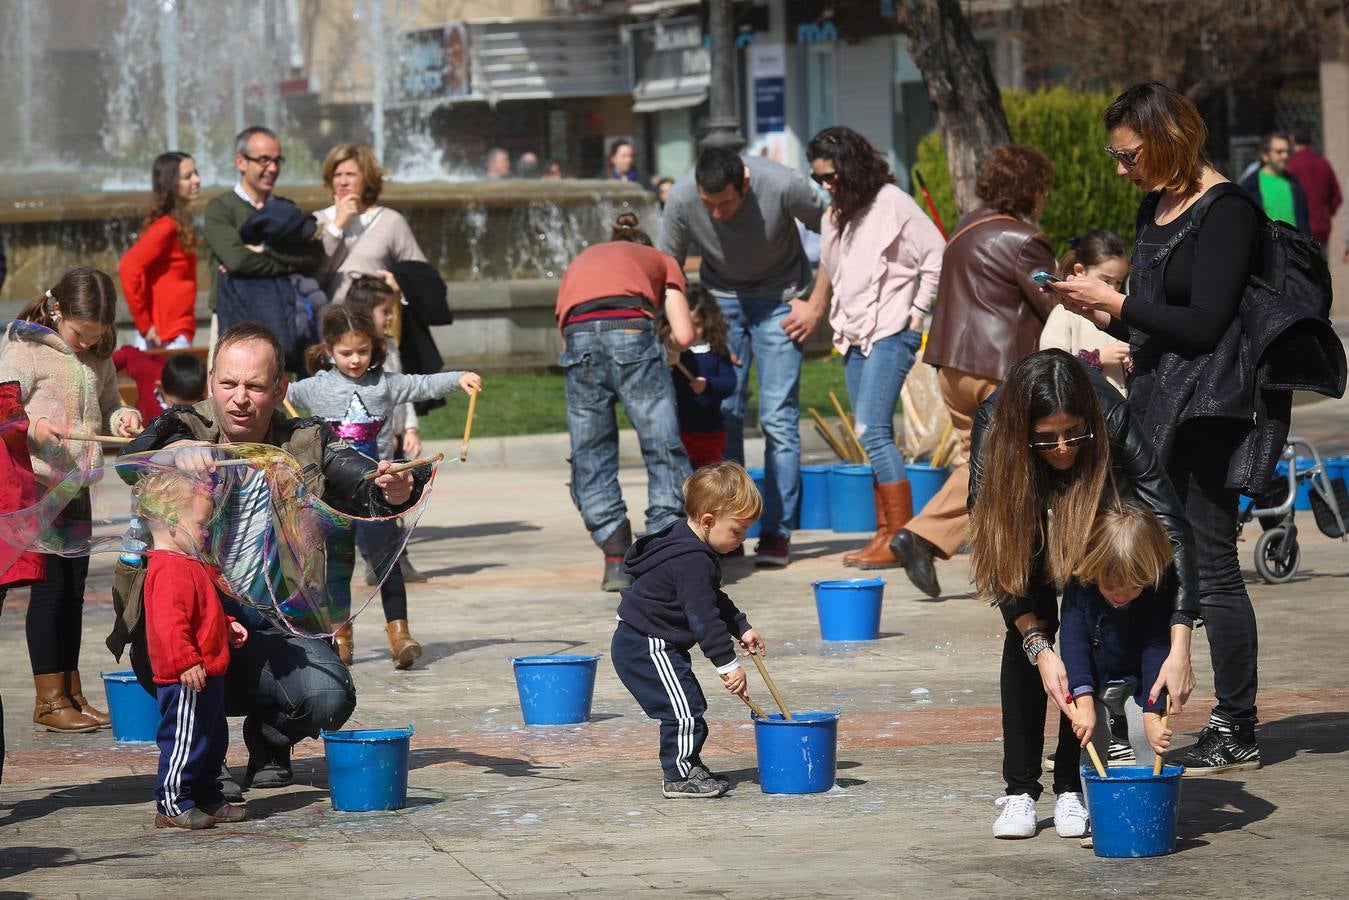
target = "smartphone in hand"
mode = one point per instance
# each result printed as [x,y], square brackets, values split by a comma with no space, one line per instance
[1044,279]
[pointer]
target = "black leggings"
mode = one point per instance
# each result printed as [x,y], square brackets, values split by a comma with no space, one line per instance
[373,539]
[1198,470]
[55,616]
[1023,725]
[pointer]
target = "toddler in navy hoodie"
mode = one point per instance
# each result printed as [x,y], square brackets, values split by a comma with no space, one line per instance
[675,601]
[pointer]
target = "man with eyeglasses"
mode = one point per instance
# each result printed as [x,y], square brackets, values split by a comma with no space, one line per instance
[1279,194]
[257,157]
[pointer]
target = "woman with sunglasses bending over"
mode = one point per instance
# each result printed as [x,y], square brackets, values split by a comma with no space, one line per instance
[1054,444]
[1187,278]
[882,256]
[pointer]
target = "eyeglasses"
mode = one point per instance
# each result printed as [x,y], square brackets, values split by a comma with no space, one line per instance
[828,178]
[1065,441]
[265,162]
[1126,158]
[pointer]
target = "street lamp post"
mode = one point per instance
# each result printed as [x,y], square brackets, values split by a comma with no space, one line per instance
[722,126]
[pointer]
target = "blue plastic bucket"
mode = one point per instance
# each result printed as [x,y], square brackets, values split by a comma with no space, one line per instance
[757,475]
[1133,812]
[555,690]
[368,769]
[135,714]
[924,481]
[849,609]
[814,509]
[852,502]
[797,757]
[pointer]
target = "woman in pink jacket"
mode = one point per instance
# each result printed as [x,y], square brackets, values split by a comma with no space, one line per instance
[882,256]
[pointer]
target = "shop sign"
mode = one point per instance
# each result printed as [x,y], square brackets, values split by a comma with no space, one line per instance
[435,63]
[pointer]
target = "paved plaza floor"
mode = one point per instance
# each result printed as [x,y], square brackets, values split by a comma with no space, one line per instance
[500,809]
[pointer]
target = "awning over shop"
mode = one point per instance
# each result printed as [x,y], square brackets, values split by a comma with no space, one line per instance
[659,101]
[670,64]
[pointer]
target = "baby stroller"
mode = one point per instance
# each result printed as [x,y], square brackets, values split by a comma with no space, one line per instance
[1277,555]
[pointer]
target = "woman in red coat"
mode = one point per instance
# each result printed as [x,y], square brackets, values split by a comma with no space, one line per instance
[159,272]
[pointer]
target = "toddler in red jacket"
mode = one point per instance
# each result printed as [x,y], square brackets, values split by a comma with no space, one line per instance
[189,638]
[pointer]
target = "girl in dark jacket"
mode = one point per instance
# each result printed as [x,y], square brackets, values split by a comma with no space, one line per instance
[1186,282]
[1058,441]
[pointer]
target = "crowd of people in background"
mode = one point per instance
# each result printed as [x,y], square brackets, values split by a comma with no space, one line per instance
[1072,400]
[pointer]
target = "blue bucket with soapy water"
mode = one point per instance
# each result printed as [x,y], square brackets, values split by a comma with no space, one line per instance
[849,609]
[135,714]
[925,481]
[555,690]
[852,501]
[756,475]
[814,508]
[368,768]
[1133,812]
[798,756]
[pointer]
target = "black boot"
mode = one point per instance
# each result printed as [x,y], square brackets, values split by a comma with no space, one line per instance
[1224,745]
[915,555]
[615,546]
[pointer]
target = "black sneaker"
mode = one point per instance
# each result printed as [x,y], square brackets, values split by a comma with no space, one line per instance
[615,576]
[1223,746]
[268,766]
[698,786]
[1120,754]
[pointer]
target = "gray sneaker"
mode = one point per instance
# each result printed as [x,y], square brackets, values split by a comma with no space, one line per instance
[699,785]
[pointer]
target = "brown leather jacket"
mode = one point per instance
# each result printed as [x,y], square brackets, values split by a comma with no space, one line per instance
[989,313]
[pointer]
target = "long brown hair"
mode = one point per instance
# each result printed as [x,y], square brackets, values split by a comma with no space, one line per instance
[338,320]
[165,201]
[83,293]
[861,171]
[1007,524]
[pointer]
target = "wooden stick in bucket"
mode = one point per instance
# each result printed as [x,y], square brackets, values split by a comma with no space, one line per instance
[754,707]
[852,434]
[1161,759]
[1091,747]
[834,443]
[468,425]
[772,688]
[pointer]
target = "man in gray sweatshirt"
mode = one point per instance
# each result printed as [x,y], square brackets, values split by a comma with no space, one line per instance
[741,214]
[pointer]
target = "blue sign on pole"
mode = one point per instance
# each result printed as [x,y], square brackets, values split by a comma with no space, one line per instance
[770,103]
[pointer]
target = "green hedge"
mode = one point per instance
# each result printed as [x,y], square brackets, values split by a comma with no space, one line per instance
[1066,125]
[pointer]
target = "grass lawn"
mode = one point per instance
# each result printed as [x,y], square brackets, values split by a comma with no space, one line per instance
[536,402]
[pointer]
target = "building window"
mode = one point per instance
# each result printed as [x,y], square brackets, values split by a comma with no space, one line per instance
[821,77]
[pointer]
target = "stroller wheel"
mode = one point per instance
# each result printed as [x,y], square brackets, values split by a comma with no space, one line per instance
[1277,555]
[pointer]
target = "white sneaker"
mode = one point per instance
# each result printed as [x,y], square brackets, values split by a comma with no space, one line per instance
[1017,819]
[1070,816]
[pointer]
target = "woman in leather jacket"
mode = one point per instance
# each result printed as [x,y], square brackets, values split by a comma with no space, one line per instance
[1058,440]
[1196,241]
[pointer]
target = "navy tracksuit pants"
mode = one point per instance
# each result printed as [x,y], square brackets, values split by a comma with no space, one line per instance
[193,736]
[660,677]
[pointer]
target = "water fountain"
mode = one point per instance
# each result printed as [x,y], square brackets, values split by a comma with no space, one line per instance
[178,67]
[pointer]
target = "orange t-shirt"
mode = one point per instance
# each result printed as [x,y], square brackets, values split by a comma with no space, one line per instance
[617,269]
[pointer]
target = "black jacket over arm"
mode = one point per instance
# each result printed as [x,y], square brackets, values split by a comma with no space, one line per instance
[1138,474]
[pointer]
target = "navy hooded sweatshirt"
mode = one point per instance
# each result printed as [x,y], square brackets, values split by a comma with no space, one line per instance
[676,594]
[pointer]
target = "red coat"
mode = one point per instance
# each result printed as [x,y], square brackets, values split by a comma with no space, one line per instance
[145,369]
[184,621]
[1322,188]
[18,490]
[159,279]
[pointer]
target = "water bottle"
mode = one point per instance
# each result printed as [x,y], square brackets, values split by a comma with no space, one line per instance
[135,541]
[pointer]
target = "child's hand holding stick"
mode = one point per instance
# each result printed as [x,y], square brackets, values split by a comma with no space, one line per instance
[1091,747]
[744,694]
[1159,735]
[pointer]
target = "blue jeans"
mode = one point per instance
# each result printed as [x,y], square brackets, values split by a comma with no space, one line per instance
[609,363]
[873,389]
[754,332]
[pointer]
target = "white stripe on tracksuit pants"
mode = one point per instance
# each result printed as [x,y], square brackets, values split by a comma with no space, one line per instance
[193,737]
[660,677]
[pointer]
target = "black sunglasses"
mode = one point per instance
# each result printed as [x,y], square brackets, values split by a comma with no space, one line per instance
[825,179]
[1126,158]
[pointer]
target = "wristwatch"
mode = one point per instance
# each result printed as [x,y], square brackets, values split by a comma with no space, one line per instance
[1034,641]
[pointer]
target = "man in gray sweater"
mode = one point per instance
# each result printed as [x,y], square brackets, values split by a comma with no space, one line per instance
[741,214]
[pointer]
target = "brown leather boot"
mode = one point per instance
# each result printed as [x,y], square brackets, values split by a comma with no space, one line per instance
[404,648]
[869,549]
[344,642]
[76,694]
[896,505]
[53,709]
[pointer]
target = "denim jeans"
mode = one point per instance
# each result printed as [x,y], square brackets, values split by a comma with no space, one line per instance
[1198,470]
[292,686]
[873,389]
[754,332]
[606,364]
